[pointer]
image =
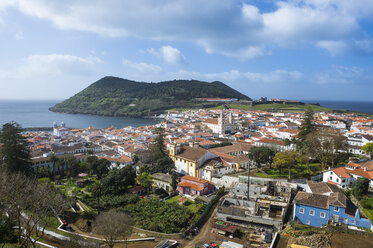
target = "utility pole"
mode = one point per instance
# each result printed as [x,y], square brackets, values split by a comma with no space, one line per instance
[248,182]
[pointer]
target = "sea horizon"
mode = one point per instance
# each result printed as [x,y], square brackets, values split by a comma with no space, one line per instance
[35,113]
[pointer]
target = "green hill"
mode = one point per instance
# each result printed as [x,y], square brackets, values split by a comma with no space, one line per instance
[112,96]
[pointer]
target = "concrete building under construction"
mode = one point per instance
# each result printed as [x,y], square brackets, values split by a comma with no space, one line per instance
[265,205]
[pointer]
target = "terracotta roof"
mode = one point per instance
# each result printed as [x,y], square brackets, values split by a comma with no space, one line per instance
[353,164]
[362,173]
[211,121]
[206,142]
[232,148]
[271,141]
[191,153]
[123,159]
[194,179]
[342,172]
[191,185]
[368,165]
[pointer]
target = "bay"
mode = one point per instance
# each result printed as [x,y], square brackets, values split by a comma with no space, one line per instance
[357,106]
[30,113]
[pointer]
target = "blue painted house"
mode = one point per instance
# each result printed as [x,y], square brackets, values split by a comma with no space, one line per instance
[323,202]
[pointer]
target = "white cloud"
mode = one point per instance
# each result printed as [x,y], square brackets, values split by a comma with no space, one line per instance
[342,75]
[221,26]
[172,55]
[333,47]
[60,75]
[141,67]
[169,55]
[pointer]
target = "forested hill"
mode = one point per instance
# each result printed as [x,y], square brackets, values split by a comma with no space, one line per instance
[114,96]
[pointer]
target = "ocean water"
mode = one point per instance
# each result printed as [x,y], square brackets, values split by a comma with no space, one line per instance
[363,106]
[36,114]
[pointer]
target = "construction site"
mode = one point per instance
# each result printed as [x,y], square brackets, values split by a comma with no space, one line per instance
[262,203]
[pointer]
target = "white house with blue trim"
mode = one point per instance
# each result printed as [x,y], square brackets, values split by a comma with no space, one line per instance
[323,202]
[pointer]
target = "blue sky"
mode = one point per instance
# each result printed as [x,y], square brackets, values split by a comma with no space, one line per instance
[297,49]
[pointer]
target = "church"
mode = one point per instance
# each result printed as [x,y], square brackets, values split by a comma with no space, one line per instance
[222,125]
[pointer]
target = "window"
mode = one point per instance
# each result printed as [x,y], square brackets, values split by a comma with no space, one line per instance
[322,215]
[336,209]
[312,212]
[308,222]
[301,210]
[330,178]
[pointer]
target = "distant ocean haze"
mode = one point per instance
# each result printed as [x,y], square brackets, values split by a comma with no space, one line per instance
[36,114]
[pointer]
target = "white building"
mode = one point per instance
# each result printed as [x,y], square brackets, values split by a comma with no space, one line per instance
[222,125]
[60,131]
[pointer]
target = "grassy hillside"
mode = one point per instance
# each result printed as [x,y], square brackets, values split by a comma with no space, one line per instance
[114,96]
[282,107]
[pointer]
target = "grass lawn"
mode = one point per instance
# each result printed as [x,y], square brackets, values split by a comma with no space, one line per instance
[53,222]
[192,206]
[300,172]
[173,199]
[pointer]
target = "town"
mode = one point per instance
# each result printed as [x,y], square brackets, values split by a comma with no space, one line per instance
[212,177]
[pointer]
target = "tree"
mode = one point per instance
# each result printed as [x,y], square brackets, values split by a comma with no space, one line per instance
[118,180]
[72,165]
[164,165]
[287,159]
[97,193]
[113,225]
[360,187]
[14,153]
[261,155]
[30,203]
[368,149]
[158,149]
[325,145]
[53,159]
[145,180]
[99,167]
[158,157]
[42,172]
[7,234]
[307,126]
[61,166]
[174,181]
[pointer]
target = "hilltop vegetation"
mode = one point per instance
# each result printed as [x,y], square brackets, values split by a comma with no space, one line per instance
[280,107]
[112,96]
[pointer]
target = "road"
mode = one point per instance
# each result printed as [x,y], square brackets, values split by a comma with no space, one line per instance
[204,235]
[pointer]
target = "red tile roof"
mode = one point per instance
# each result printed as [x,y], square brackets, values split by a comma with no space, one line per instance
[342,172]
[191,185]
[194,179]
[362,173]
